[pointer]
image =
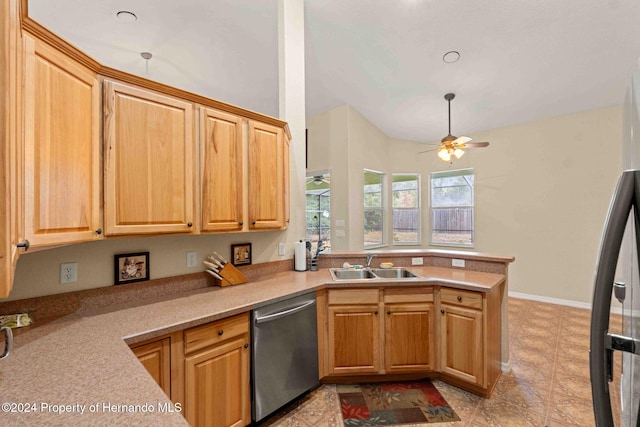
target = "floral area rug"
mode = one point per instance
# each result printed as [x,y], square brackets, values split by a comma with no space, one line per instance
[393,403]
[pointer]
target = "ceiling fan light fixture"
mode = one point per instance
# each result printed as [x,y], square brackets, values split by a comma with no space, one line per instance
[444,154]
[458,153]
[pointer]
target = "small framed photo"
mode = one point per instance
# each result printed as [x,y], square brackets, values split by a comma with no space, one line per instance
[241,254]
[131,268]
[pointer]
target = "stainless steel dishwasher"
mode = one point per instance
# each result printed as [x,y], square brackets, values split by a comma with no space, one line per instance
[284,362]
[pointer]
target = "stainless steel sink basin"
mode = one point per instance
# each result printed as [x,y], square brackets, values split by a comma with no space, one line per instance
[351,274]
[372,274]
[393,273]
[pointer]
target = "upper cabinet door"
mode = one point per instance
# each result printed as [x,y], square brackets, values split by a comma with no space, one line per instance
[61,148]
[266,177]
[149,162]
[221,171]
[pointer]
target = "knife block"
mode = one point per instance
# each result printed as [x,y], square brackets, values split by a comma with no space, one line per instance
[230,276]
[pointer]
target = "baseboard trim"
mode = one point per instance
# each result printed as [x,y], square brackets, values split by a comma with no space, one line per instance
[569,303]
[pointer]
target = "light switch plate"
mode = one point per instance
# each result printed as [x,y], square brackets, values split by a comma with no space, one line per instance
[281,249]
[340,233]
[457,262]
[192,259]
[417,261]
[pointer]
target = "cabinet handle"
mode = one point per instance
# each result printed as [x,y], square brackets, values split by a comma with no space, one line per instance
[388,311]
[241,223]
[459,298]
[189,224]
[253,222]
[220,332]
[442,311]
[246,345]
[99,231]
[24,245]
[375,312]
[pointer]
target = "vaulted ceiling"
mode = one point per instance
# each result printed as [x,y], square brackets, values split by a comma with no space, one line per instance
[519,60]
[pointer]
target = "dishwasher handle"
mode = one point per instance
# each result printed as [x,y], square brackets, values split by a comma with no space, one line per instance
[284,313]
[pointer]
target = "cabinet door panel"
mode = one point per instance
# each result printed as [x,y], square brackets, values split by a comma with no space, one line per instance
[61,151]
[462,343]
[217,386]
[156,358]
[354,342]
[221,166]
[266,177]
[408,335]
[149,155]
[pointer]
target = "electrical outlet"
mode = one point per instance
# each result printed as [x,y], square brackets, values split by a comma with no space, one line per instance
[281,249]
[68,272]
[192,259]
[457,262]
[417,261]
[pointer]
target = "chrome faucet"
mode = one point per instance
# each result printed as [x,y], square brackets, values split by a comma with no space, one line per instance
[370,257]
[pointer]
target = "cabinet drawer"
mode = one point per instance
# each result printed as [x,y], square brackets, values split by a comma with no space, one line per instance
[410,295]
[216,332]
[353,296]
[462,298]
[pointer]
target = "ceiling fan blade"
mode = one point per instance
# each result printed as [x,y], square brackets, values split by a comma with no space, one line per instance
[476,144]
[428,151]
[462,140]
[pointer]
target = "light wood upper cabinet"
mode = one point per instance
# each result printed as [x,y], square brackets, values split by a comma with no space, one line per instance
[221,171]
[267,179]
[61,148]
[11,55]
[149,162]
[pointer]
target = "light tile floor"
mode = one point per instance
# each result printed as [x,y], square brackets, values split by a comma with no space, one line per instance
[548,385]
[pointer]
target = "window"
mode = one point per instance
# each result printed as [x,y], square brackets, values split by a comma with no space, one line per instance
[405,197]
[318,208]
[373,214]
[452,208]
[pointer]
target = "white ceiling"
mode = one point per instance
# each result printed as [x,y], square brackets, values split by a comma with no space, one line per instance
[521,60]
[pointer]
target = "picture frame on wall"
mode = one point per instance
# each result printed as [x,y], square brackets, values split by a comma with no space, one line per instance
[130,268]
[241,254]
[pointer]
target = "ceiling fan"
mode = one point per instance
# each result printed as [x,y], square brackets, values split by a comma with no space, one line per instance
[320,179]
[452,145]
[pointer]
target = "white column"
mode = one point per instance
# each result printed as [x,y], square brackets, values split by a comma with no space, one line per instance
[292,104]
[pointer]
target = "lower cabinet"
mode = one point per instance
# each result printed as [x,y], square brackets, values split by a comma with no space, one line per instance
[206,369]
[409,330]
[373,331]
[414,332]
[461,343]
[155,356]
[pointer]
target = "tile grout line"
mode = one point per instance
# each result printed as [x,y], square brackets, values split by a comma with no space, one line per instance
[547,411]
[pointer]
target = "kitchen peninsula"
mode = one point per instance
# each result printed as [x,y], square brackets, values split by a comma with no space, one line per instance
[84,358]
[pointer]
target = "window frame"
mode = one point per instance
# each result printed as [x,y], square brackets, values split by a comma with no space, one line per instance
[418,209]
[445,174]
[326,174]
[382,242]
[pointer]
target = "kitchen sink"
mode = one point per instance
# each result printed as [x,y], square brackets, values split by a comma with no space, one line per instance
[393,273]
[370,274]
[351,274]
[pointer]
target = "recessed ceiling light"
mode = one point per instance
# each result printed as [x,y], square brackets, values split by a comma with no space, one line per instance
[451,57]
[126,16]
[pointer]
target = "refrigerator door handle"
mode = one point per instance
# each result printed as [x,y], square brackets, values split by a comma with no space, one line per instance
[600,357]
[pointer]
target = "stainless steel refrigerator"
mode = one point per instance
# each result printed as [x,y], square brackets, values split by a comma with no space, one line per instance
[615,320]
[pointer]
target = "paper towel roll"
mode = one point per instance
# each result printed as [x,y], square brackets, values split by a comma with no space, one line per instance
[300,256]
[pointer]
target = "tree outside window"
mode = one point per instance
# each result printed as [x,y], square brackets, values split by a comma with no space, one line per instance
[373,213]
[406,209]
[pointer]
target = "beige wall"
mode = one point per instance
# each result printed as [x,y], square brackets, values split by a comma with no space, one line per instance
[542,193]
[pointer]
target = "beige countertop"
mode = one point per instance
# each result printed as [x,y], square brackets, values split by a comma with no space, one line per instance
[83,363]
